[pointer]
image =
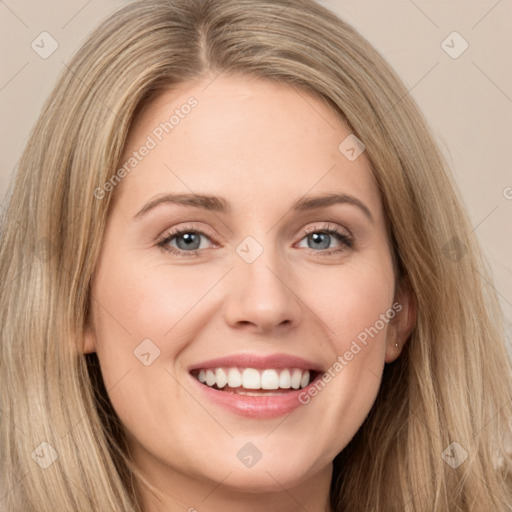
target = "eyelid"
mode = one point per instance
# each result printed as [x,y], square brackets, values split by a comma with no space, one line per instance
[342,233]
[178,230]
[329,227]
[181,228]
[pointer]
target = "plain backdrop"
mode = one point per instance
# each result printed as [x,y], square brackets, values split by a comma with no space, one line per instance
[462,82]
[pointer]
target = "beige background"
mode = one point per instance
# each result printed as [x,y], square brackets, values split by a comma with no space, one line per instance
[467,100]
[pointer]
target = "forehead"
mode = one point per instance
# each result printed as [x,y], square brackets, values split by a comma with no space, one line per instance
[244,138]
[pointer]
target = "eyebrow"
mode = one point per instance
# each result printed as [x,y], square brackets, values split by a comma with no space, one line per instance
[221,205]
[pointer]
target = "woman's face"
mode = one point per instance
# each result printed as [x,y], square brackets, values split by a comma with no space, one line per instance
[281,265]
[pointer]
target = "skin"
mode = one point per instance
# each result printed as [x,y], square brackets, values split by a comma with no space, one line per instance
[261,146]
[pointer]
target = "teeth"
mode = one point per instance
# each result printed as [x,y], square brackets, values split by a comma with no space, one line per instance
[210,378]
[296,378]
[285,380]
[234,378]
[251,378]
[304,381]
[220,377]
[269,379]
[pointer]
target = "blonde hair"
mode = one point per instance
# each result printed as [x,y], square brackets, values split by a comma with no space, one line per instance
[451,384]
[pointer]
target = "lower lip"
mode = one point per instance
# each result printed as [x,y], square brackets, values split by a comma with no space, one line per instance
[260,407]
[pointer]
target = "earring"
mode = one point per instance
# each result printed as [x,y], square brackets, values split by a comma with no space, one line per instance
[396,346]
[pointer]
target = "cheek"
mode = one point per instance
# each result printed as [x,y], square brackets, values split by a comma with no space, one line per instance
[135,302]
[132,313]
[142,324]
[353,299]
[145,315]
[355,309]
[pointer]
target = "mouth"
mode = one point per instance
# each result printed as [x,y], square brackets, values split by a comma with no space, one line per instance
[256,386]
[254,381]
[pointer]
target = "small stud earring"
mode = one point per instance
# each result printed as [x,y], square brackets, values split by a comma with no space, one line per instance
[396,346]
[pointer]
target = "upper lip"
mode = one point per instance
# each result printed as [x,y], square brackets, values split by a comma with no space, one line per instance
[275,361]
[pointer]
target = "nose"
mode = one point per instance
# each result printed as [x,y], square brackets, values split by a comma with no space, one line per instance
[261,296]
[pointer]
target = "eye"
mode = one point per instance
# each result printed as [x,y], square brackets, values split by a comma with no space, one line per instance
[183,242]
[187,241]
[321,239]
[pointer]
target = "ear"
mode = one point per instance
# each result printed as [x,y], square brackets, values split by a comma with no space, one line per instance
[401,326]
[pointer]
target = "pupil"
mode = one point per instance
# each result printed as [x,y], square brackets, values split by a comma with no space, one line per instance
[189,239]
[317,236]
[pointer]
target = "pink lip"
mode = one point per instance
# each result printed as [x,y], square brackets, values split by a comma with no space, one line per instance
[275,361]
[260,407]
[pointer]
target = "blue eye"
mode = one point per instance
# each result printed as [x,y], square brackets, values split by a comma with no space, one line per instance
[187,241]
[321,239]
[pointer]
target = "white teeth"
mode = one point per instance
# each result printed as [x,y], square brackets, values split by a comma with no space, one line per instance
[210,378]
[296,378]
[234,378]
[221,377]
[251,378]
[285,380]
[305,379]
[269,379]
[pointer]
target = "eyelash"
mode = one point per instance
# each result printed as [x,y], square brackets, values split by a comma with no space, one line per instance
[346,240]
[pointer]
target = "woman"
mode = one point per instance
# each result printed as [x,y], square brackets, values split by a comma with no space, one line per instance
[199,172]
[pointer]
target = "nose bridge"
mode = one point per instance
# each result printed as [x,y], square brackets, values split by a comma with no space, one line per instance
[260,293]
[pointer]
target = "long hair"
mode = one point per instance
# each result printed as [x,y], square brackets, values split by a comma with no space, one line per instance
[451,384]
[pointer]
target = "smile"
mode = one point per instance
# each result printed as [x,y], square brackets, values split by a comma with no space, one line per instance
[255,386]
[239,380]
